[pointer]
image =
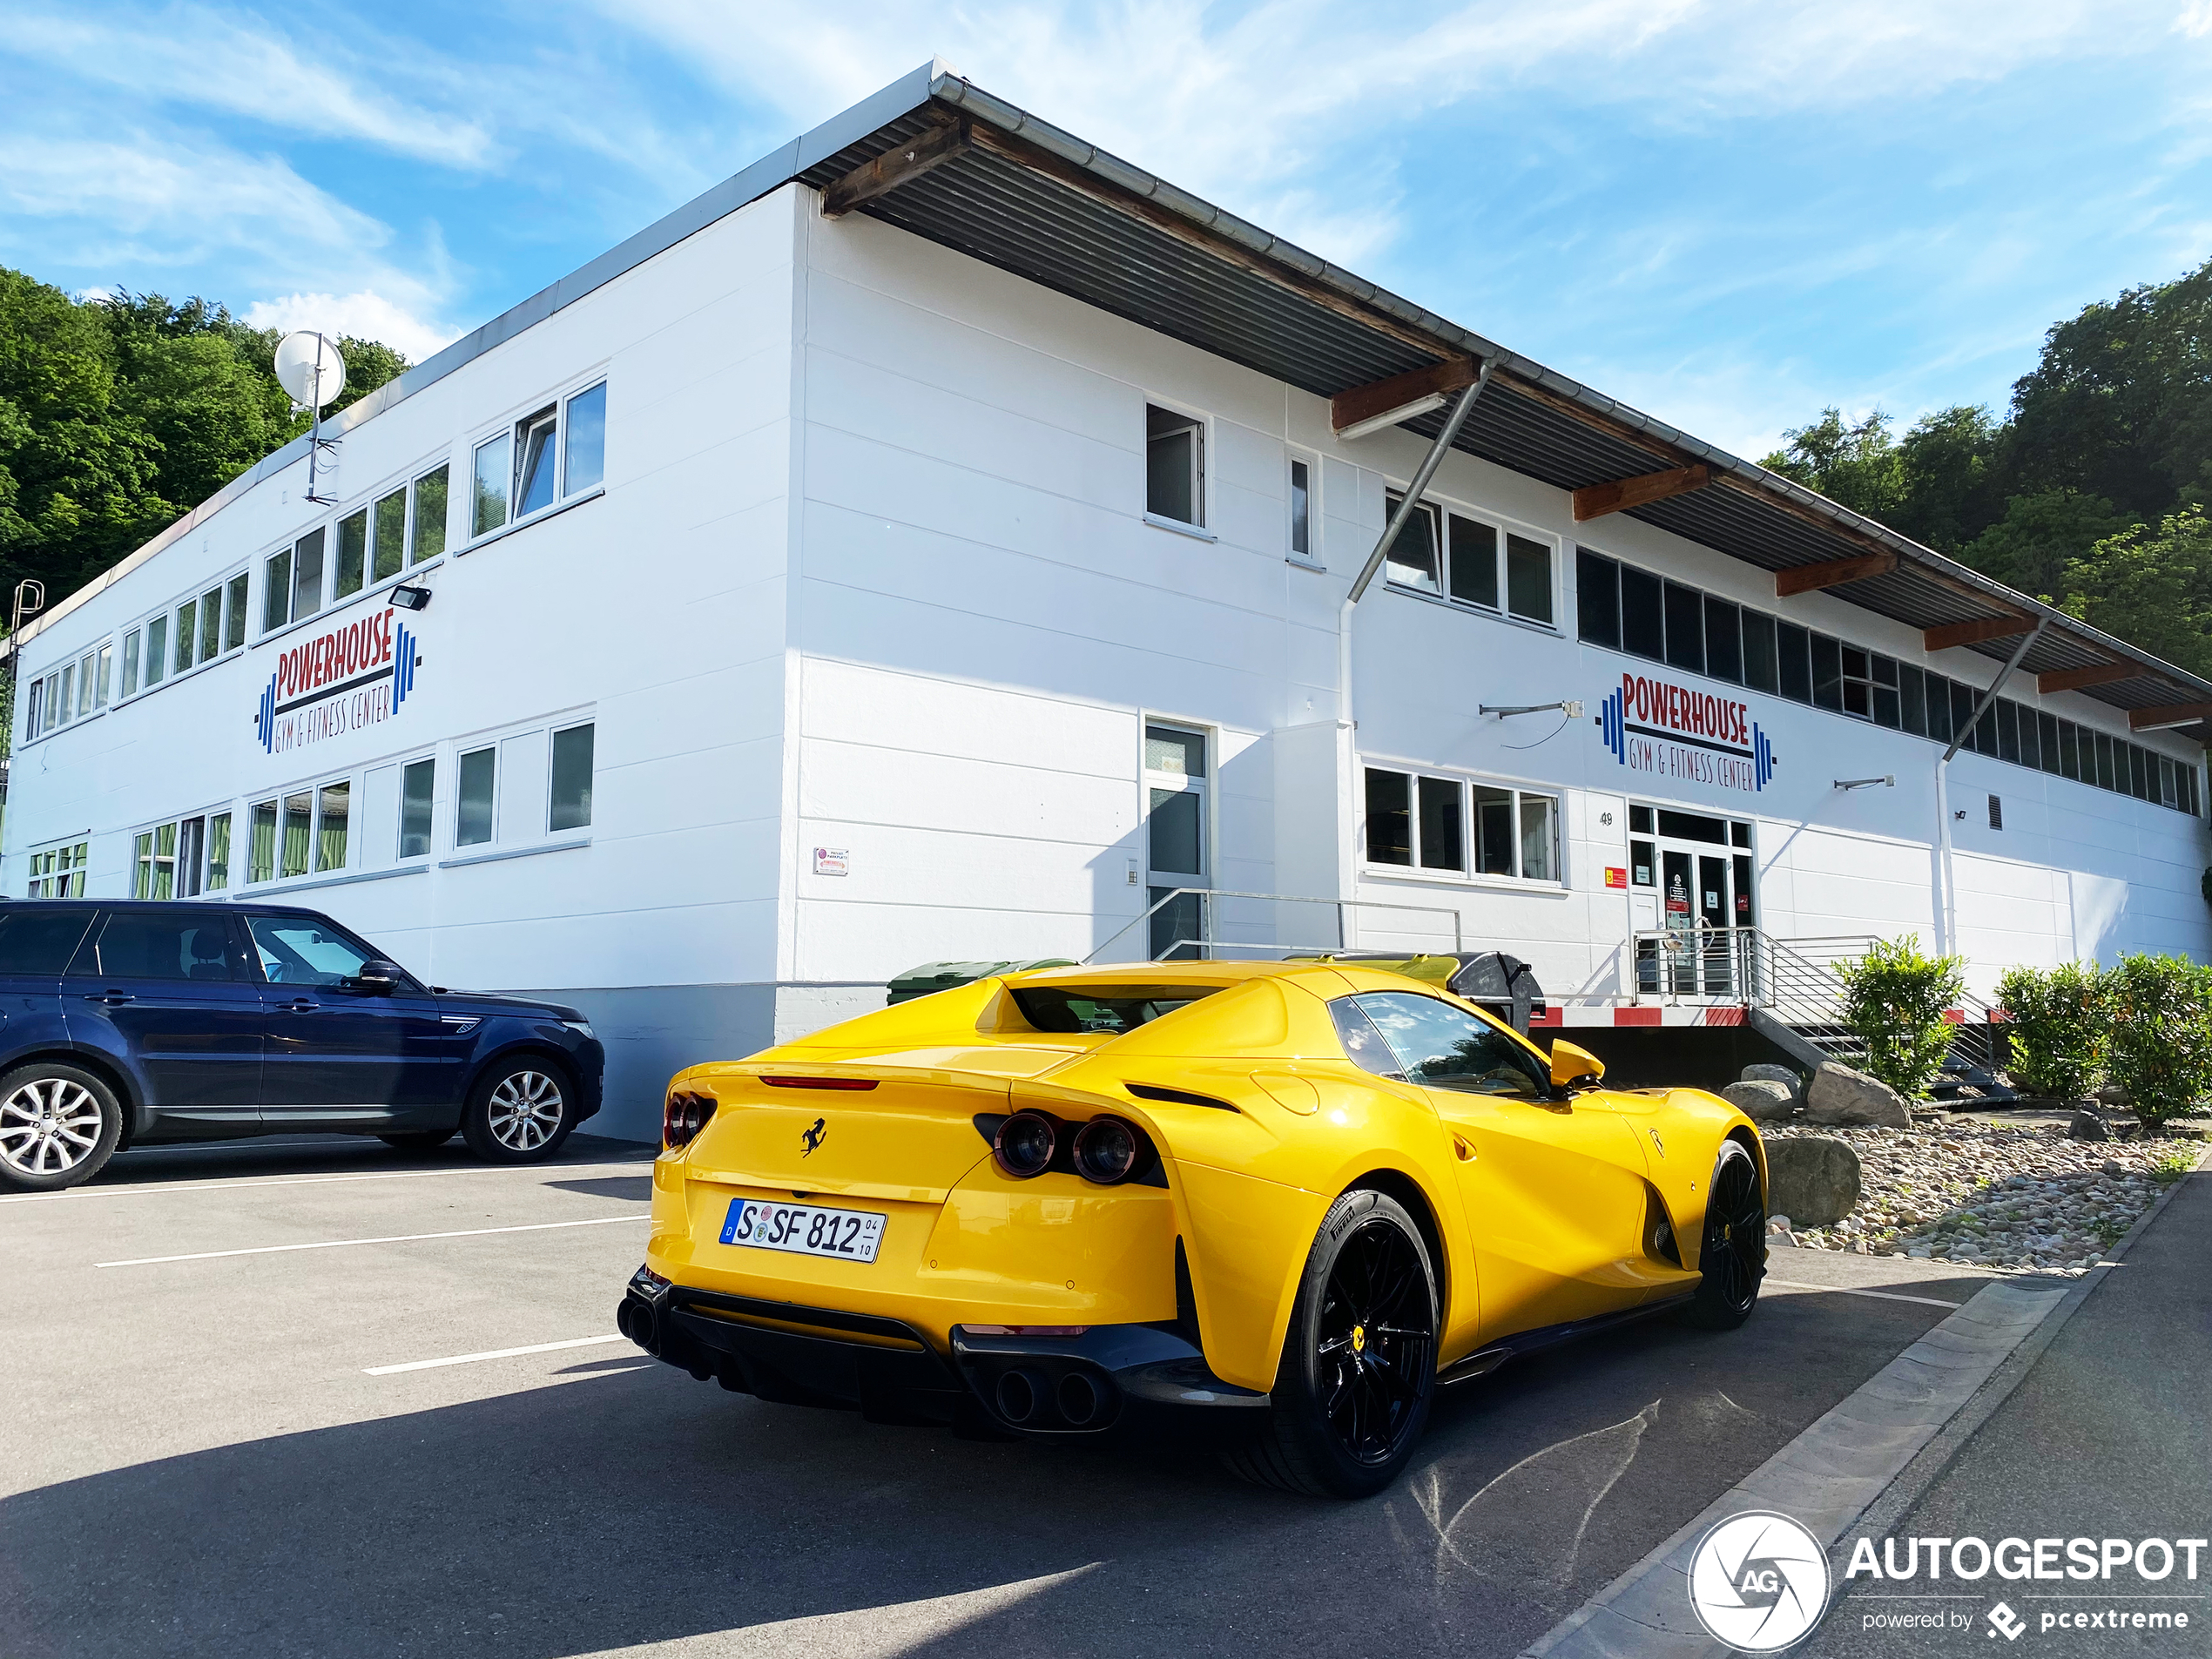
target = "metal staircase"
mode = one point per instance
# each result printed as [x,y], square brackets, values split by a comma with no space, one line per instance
[1794,996]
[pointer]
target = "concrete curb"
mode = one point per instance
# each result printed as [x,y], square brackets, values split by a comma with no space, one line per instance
[1857,1468]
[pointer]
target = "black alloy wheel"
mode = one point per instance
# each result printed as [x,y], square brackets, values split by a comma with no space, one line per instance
[1732,1260]
[1358,1368]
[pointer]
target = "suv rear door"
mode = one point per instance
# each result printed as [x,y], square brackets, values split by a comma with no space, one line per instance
[165,990]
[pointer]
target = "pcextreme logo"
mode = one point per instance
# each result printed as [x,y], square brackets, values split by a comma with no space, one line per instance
[1759,1581]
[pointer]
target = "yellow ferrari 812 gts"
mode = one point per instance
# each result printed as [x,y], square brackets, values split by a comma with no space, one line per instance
[1297,1197]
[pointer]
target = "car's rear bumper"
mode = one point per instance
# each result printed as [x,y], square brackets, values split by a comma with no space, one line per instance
[1046,1386]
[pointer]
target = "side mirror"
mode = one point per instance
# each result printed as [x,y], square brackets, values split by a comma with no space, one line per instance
[1572,1066]
[377,978]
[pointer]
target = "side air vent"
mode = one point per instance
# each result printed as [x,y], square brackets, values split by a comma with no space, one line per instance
[1176,1096]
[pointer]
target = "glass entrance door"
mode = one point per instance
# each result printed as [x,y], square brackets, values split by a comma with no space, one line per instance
[1175,837]
[1698,874]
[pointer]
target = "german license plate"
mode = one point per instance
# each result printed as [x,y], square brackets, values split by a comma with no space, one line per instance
[803,1229]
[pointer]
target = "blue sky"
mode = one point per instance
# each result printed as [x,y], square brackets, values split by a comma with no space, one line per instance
[1727,214]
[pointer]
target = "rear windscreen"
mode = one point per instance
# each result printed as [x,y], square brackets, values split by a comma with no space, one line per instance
[1104,1008]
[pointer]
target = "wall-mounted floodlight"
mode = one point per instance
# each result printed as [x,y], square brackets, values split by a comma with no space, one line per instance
[1866,782]
[408,597]
[1571,709]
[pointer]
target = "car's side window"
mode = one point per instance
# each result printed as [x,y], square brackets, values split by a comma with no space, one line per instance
[163,944]
[295,951]
[1443,1046]
[1363,1044]
[40,942]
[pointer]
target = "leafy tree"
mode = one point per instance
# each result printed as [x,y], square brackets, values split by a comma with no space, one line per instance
[1855,466]
[2151,588]
[1951,463]
[2029,546]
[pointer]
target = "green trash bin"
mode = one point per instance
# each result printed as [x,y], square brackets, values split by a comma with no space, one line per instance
[943,976]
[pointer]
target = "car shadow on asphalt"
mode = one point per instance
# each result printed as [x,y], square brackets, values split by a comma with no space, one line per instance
[298,1155]
[627,1505]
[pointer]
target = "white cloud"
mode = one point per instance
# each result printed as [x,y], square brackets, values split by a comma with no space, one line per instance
[188,55]
[365,315]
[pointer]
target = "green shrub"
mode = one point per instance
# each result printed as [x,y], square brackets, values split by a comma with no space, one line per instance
[1894,1000]
[2160,1051]
[2061,1020]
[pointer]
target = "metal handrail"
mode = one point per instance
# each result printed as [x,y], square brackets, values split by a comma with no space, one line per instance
[1207,944]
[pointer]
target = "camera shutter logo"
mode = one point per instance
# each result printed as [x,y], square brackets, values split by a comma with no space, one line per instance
[1759,1581]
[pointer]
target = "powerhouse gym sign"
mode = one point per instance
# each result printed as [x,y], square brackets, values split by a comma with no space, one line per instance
[1680,734]
[340,680]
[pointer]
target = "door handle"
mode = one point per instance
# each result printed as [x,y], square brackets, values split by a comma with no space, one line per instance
[112,998]
[301,1005]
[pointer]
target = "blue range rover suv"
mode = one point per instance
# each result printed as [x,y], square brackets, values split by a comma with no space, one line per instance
[126,1024]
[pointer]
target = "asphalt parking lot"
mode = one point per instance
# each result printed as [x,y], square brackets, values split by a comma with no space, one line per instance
[223,1442]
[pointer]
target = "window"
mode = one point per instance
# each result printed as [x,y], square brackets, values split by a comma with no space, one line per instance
[31,943]
[1597,599]
[538,459]
[391,536]
[1793,654]
[488,511]
[261,849]
[188,617]
[153,863]
[1529,579]
[66,702]
[1437,824]
[1412,561]
[291,584]
[1888,710]
[210,624]
[295,951]
[472,806]
[234,614]
[177,945]
[1174,465]
[1827,673]
[427,537]
[58,872]
[1439,1046]
[34,708]
[1301,509]
[2008,736]
[1762,654]
[415,786]
[1912,698]
[1644,621]
[1474,561]
[295,833]
[353,554]
[1723,640]
[570,805]
[182,859]
[334,811]
[1685,613]
[584,463]
[1858,683]
[218,852]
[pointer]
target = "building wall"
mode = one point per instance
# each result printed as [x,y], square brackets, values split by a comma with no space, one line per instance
[658,611]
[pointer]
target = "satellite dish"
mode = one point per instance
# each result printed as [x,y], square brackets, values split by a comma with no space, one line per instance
[309,368]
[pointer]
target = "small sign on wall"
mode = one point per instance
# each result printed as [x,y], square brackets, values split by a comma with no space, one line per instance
[833,860]
[1615,877]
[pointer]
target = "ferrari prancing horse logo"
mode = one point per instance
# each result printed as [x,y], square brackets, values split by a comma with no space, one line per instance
[814,1136]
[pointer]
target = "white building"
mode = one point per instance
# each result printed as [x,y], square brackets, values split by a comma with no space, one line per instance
[935,543]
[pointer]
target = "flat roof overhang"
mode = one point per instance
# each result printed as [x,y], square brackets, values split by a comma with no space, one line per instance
[937,156]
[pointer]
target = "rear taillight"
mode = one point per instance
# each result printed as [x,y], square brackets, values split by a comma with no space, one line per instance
[820,1083]
[1109,1150]
[681,1119]
[1024,1144]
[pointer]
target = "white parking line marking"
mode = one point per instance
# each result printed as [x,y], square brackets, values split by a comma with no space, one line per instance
[339,1243]
[1852,1290]
[496,1354]
[75,1193]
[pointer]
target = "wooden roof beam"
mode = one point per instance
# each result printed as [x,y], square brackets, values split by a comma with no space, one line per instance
[1385,403]
[2167,715]
[1596,500]
[898,166]
[1969,633]
[1812,579]
[2076,679]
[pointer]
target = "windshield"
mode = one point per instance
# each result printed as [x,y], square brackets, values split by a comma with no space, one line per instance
[1112,1008]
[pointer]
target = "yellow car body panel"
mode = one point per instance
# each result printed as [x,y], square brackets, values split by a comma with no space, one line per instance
[1544,1212]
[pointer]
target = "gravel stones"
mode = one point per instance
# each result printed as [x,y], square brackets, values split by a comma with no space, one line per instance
[1813,1179]
[2007,1197]
[1761,1100]
[1842,1096]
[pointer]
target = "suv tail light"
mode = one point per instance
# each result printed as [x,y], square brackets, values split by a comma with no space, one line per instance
[681,1119]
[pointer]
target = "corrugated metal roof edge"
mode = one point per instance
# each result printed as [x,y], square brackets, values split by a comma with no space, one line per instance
[937,80]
